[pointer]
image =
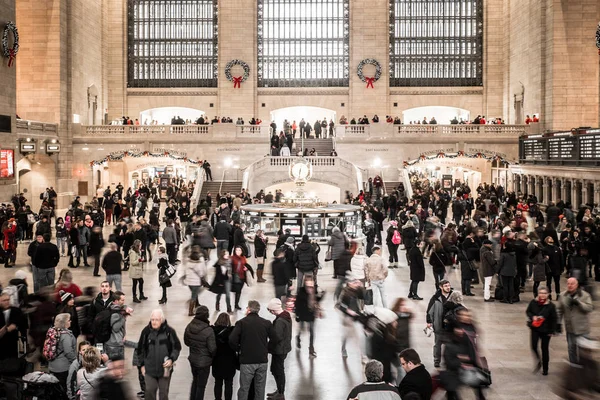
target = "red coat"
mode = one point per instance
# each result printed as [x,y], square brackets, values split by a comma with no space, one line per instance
[10,239]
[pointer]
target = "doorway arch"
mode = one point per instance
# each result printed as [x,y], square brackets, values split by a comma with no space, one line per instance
[309,113]
[442,114]
[163,115]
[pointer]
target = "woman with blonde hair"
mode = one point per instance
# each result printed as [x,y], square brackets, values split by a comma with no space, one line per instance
[358,263]
[136,270]
[89,376]
[65,283]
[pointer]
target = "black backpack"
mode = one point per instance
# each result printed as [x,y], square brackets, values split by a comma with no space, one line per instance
[102,328]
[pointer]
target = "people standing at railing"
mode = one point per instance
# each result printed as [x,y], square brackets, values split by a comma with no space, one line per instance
[317,128]
[307,129]
[343,120]
[331,128]
[294,129]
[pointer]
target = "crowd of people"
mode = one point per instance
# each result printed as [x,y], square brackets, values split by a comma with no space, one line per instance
[479,120]
[489,235]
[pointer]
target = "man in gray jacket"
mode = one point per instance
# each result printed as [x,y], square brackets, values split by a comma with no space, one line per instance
[574,308]
[84,241]
[279,346]
[435,318]
[170,238]
[115,346]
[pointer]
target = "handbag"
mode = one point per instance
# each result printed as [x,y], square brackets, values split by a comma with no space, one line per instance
[249,278]
[369,297]
[167,274]
[328,254]
[475,377]
[249,251]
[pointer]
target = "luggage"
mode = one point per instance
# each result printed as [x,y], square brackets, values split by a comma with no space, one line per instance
[499,293]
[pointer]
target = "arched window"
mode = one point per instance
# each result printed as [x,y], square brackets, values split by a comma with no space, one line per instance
[436,42]
[172,43]
[303,43]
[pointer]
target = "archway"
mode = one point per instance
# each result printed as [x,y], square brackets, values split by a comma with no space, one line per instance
[310,115]
[36,173]
[442,114]
[163,115]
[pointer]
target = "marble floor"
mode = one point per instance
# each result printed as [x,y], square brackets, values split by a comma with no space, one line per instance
[504,336]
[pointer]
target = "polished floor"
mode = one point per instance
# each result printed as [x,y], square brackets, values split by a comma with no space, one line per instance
[504,336]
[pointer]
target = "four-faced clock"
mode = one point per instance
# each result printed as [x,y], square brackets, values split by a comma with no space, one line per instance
[301,170]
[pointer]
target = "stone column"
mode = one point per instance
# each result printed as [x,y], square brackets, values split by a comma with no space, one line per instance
[596,192]
[584,191]
[530,185]
[563,189]
[546,186]
[574,201]
[555,194]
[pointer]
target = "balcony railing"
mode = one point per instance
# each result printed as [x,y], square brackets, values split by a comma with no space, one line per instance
[127,130]
[398,131]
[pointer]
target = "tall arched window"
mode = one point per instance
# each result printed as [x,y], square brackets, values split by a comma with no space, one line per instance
[172,43]
[436,42]
[303,43]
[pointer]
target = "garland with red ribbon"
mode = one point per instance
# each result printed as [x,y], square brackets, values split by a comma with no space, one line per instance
[10,52]
[423,157]
[369,80]
[598,37]
[137,154]
[237,80]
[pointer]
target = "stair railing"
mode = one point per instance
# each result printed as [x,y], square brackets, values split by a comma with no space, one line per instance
[197,188]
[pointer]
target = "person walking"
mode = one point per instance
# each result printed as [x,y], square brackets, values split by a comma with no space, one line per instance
[136,270]
[573,311]
[65,352]
[417,271]
[239,267]
[250,338]
[225,359]
[280,270]
[542,320]
[279,346]
[194,273]
[45,260]
[376,272]
[538,260]
[200,338]
[488,268]
[555,263]
[111,264]
[305,259]
[307,310]
[435,318]
[158,348]
[163,265]
[222,281]
[83,243]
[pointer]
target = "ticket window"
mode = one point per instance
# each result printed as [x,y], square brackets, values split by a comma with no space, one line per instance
[313,227]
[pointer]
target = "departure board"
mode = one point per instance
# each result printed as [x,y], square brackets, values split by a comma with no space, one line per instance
[564,148]
[534,149]
[589,147]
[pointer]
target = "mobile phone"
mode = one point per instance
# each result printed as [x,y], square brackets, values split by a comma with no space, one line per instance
[100,347]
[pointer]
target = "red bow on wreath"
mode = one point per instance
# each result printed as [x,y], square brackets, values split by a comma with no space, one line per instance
[370,82]
[11,57]
[237,81]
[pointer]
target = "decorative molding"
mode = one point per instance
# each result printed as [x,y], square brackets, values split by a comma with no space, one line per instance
[297,91]
[171,92]
[434,92]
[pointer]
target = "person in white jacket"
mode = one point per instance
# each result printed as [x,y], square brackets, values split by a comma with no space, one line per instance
[194,273]
[358,264]
[376,272]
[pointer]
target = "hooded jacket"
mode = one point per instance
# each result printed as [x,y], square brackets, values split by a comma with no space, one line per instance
[155,345]
[337,242]
[305,258]
[281,340]
[200,338]
[376,269]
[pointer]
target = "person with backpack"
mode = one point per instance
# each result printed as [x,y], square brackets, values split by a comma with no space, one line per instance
[110,326]
[158,348]
[102,301]
[67,305]
[12,322]
[435,318]
[200,338]
[393,241]
[60,348]
[45,259]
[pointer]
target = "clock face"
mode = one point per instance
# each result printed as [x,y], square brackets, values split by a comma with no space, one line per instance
[300,171]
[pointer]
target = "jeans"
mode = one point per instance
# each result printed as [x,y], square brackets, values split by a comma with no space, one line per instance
[572,347]
[172,252]
[157,384]
[556,283]
[301,275]
[227,293]
[136,282]
[379,293]
[278,371]
[280,291]
[222,245]
[545,338]
[414,287]
[199,381]
[393,250]
[116,278]
[82,250]
[42,277]
[437,347]
[486,287]
[249,372]
[509,288]
[61,243]
[438,278]
[311,331]
[195,292]
[218,389]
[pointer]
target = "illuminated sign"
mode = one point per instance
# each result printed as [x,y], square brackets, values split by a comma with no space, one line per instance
[7,164]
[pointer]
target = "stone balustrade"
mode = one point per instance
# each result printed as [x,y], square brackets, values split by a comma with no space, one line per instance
[400,131]
[36,128]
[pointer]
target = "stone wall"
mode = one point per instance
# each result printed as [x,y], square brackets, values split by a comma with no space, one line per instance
[8,102]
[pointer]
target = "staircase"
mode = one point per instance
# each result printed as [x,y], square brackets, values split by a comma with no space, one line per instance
[233,187]
[390,186]
[322,146]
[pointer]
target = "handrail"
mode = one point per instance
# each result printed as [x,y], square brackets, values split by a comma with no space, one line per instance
[197,188]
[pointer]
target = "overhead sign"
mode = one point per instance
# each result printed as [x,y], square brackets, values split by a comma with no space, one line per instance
[7,164]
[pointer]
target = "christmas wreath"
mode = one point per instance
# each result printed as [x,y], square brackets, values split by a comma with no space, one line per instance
[598,37]
[237,80]
[369,80]
[7,52]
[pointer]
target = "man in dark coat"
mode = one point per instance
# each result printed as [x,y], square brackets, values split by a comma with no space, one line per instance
[417,379]
[279,346]
[305,259]
[555,265]
[417,271]
[200,338]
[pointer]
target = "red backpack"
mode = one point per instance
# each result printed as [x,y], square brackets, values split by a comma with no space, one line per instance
[396,238]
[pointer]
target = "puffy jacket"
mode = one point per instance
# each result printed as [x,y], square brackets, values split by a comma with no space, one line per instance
[117,324]
[507,266]
[305,258]
[200,338]
[66,352]
[488,262]
[136,270]
[376,269]
[281,340]
[573,309]
[337,242]
[194,271]
[358,266]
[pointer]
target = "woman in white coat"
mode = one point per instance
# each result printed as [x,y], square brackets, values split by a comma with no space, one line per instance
[195,271]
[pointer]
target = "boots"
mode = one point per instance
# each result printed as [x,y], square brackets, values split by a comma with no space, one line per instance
[259,274]
[142,297]
[191,308]
[136,300]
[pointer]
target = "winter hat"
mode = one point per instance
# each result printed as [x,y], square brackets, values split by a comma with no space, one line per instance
[202,312]
[275,305]
[488,241]
[20,274]
[394,222]
[290,240]
[64,296]
[305,239]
